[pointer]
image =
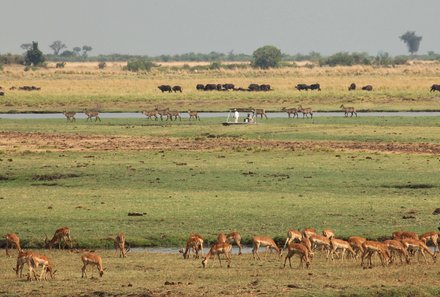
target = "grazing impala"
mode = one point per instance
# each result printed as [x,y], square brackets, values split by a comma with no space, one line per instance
[93,260]
[356,243]
[308,232]
[120,245]
[338,244]
[305,111]
[23,258]
[150,114]
[218,249]
[431,237]
[308,244]
[291,111]
[372,247]
[70,116]
[92,114]
[319,241]
[195,243]
[397,247]
[404,234]
[12,240]
[299,249]
[348,110]
[221,237]
[263,241]
[193,115]
[34,261]
[328,233]
[162,112]
[61,235]
[292,235]
[418,246]
[235,237]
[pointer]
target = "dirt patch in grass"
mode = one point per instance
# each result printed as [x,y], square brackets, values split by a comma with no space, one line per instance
[17,141]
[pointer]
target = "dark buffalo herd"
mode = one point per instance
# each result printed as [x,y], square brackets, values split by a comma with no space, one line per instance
[169,89]
[231,87]
[306,87]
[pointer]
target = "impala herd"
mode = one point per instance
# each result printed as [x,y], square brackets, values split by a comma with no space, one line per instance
[305,244]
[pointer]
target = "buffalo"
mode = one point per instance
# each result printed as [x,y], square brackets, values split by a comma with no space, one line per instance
[367,88]
[315,87]
[29,88]
[254,87]
[265,87]
[435,87]
[2,93]
[200,87]
[300,87]
[352,87]
[177,89]
[228,86]
[210,87]
[165,88]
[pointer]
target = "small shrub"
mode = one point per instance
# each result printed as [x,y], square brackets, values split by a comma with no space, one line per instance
[138,65]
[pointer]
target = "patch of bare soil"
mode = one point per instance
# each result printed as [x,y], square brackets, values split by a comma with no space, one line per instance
[35,142]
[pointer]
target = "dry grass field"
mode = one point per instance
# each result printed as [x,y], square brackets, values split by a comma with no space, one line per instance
[83,85]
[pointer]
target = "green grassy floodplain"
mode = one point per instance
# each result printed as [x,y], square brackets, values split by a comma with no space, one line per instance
[254,190]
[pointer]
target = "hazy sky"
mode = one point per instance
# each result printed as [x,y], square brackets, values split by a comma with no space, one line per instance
[177,26]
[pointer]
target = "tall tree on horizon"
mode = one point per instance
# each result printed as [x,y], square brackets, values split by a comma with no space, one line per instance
[412,41]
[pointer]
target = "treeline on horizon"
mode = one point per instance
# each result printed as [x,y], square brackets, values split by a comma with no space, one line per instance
[337,59]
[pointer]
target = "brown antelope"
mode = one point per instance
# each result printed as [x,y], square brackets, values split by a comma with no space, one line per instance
[396,246]
[193,115]
[338,244]
[404,234]
[356,243]
[92,114]
[260,112]
[194,243]
[120,245]
[319,241]
[291,111]
[308,244]
[328,233]
[431,237]
[218,249]
[162,112]
[308,232]
[235,237]
[61,235]
[92,259]
[221,237]
[348,110]
[70,116]
[418,246]
[12,240]
[292,235]
[299,249]
[34,261]
[264,241]
[305,111]
[175,114]
[372,247]
[150,114]
[23,258]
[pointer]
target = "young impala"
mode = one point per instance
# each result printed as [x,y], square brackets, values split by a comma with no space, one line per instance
[338,244]
[419,246]
[301,250]
[292,235]
[264,241]
[120,245]
[218,249]
[34,261]
[92,259]
[432,237]
[235,237]
[12,240]
[356,243]
[194,243]
[397,247]
[372,247]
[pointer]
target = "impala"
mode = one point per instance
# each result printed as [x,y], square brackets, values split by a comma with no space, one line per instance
[61,235]
[260,112]
[195,243]
[120,245]
[292,235]
[305,111]
[328,233]
[372,247]
[404,234]
[396,246]
[12,240]
[162,112]
[348,110]
[150,114]
[235,237]
[308,244]
[356,243]
[319,241]
[175,114]
[34,261]
[431,237]
[193,115]
[291,111]
[308,232]
[218,249]
[221,237]
[92,114]
[299,249]
[418,246]
[23,258]
[338,244]
[70,116]
[264,241]
[92,259]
